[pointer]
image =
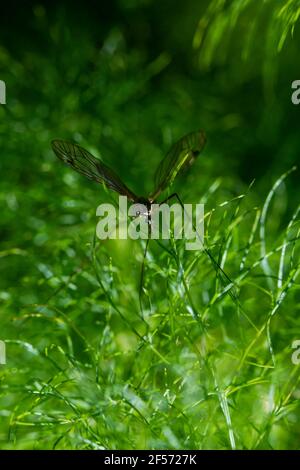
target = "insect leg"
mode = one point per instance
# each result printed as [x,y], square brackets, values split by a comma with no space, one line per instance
[142,276]
[215,264]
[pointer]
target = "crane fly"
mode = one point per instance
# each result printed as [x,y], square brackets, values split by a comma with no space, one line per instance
[181,155]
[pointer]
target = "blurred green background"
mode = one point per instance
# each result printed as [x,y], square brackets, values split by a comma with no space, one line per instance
[125,79]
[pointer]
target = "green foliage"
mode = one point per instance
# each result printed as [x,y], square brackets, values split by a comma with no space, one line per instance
[204,364]
[247,23]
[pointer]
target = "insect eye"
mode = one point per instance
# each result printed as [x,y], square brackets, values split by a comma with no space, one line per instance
[138,213]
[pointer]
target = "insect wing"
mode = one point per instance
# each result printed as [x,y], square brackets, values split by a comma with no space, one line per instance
[181,155]
[85,163]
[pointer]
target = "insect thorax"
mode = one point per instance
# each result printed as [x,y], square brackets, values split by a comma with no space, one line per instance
[142,207]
